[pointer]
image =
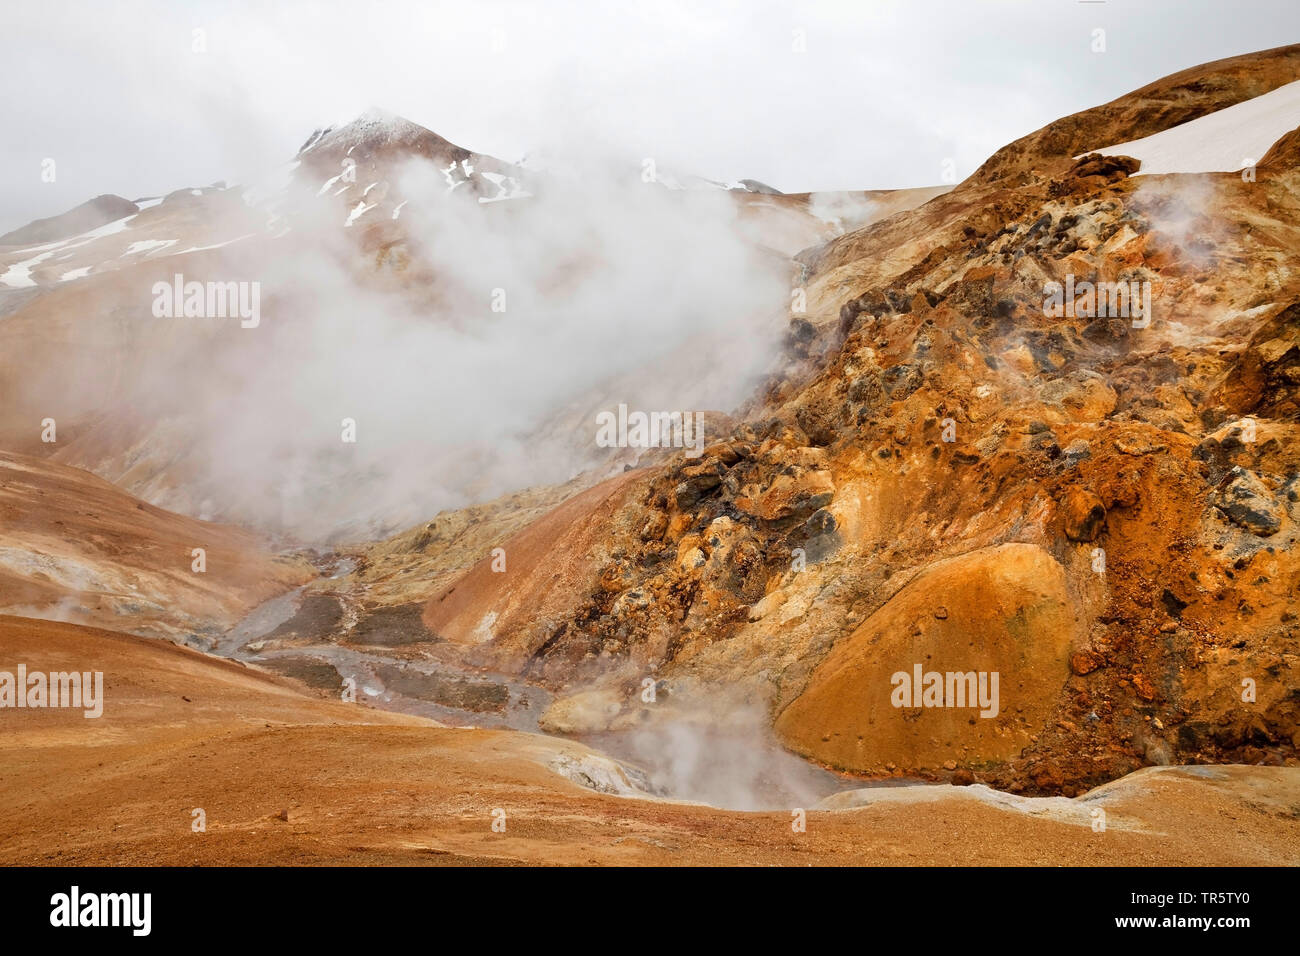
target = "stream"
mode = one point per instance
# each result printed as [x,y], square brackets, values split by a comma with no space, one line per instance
[687,761]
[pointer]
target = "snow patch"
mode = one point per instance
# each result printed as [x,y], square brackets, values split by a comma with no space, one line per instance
[358,211]
[148,245]
[507,188]
[19,274]
[1221,142]
[217,245]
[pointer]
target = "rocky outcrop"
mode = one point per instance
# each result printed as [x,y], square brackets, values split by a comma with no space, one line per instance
[1084,515]
[1248,503]
[1124,477]
[994,629]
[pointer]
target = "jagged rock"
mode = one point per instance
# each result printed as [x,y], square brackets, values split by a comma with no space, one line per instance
[629,601]
[822,522]
[1265,376]
[1137,446]
[1083,513]
[867,387]
[1077,451]
[799,336]
[1106,329]
[727,452]
[689,492]
[1248,503]
[987,445]
[691,559]
[789,495]
[655,526]
[766,605]
[902,380]
[1086,395]
[1085,662]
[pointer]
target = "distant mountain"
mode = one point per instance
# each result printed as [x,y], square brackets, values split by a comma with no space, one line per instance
[89,215]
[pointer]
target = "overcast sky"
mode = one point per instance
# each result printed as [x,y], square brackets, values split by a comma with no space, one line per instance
[120,98]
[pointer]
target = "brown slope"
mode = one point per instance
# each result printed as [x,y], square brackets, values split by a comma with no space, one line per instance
[288,778]
[74,547]
[556,557]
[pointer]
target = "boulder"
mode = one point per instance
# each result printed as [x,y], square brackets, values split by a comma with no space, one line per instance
[1083,514]
[1248,503]
[788,495]
[1009,613]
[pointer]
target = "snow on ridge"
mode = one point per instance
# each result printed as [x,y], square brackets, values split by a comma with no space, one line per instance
[1220,142]
[374,127]
[328,183]
[217,245]
[19,274]
[108,229]
[148,245]
[359,210]
[507,188]
[314,139]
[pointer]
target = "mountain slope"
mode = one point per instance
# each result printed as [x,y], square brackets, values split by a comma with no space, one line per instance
[379,243]
[933,408]
[75,548]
